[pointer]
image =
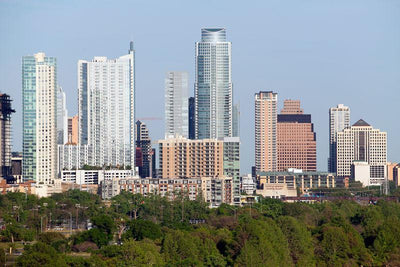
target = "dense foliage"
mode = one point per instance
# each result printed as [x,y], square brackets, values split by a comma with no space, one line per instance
[131,230]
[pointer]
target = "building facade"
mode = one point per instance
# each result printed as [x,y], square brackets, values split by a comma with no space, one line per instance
[144,152]
[192,122]
[232,164]
[62,117]
[296,139]
[176,104]
[184,158]
[94,176]
[361,142]
[5,137]
[213,85]
[265,131]
[73,136]
[106,92]
[39,89]
[236,120]
[339,119]
[71,157]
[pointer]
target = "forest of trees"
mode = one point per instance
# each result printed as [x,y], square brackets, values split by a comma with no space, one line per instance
[132,230]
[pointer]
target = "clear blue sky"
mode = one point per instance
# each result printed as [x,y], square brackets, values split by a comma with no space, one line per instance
[321,52]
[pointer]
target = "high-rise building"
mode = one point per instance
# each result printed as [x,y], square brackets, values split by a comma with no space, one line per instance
[232,164]
[213,85]
[361,143]
[39,93]
[176,104]
[62,117]
[236,120]
[192,122]
[296,139]
[73,137]
[5,137]
[144,151]
[107,108]
[184,158]
[265,131]
[339,119]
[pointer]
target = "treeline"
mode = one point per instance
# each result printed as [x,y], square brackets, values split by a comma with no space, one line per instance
[134,231]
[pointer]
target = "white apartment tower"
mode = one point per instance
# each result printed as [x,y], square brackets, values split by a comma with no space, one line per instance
[361,143]
[213,85]
[107,108]
[339,119]
[176,104]
[265,131]
[39,89]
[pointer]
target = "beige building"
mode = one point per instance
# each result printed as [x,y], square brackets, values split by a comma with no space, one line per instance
[390,170]
[73,130]
[265,131]
[361,142]
[184,158]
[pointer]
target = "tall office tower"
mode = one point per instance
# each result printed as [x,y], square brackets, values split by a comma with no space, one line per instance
[39,93]
[184,158]
[213,85]
[176,104]
[62,117]
[144,151]
[361,143]
[232,164]
[339,119]
[73,130]
[236,120]
[296,139]
[265,131]
[192,122]
[107,108]
[5,137]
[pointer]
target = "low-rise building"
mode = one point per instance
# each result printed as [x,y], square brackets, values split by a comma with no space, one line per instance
[291,180]
[93,176]
[248,185]
[366,174]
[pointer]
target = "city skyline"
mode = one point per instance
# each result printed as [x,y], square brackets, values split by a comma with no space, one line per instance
[337,86]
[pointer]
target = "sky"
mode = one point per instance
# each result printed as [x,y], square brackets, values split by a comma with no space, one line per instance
[318,51]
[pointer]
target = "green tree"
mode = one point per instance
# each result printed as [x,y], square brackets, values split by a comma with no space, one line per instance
[140,229]
[40,254]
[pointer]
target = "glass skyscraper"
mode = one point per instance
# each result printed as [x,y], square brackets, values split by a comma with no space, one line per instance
[213,85]
[39,98]
[339,119]
[107,109]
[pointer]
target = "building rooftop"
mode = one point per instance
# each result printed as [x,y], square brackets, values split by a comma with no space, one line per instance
[361,122]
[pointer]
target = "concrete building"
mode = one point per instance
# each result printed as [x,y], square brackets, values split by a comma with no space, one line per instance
[396,175]
[184,158]
[390,170]
[213,85]
[236,120]
[278,184]
[296,139]
[106,93]
[362,172]
[71,157]
[62,117]
[176,104]
[248,185]
[5,137]
[144,152]
[94,176]
[73,134]
[339,119]
[361,142]
[265,131]
[39,88]
[214,191]
[16,167]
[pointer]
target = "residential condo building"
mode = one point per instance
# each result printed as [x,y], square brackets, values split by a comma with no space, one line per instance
[5,137]
[144,152]
[106,92]
[176,104]
[339,119]
[213,85]
[73,137]
[62,117]
[265,131]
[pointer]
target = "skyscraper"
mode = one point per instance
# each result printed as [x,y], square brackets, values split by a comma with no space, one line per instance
[213,85]
[265,131]
[236,120]
[5,137]
[73,130]
[176,104]
[192,123]
[339,119]
[39,89]
[144,151]
[62,118]
[361,143]
[296,139]
[232,164]
[107,108]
